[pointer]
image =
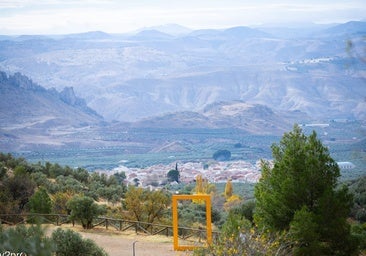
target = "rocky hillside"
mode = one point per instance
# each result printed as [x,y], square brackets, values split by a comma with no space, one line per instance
[23,101]
[31,113]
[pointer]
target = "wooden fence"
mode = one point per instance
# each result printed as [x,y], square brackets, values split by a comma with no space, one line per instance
[117,224]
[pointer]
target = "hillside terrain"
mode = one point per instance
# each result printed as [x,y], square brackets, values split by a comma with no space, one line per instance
[95,99]
[33,117]
[31,114]
[44,124]
[128,77]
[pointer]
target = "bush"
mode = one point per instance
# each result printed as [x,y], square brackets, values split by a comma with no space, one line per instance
[246,210]
[68,242]
[32,241]
[40,202]
[359,232]
[237,238]
[28,240]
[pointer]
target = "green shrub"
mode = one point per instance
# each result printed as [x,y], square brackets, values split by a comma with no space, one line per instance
[40,202]
[359,232]
[28,240]
[68,242]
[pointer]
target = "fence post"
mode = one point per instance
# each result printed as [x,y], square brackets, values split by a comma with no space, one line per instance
[106,224]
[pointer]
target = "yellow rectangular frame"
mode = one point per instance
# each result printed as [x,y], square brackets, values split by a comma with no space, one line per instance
[175,198]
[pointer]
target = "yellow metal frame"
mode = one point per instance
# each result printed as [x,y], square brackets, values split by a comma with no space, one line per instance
[175,198]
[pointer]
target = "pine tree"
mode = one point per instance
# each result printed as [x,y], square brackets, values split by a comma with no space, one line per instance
[297,194]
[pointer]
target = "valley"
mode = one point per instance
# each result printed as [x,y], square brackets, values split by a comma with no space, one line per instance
[98,101]
[144,148]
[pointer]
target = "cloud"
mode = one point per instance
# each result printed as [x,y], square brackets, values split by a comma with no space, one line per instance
[71,16]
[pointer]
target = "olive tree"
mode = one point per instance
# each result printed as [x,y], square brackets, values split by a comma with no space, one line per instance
[85,210]
[146,206]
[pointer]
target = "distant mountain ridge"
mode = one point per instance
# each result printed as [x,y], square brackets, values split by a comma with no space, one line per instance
[349,28]
[34,117]
[171,29]
[252,118]
[22,98]
[151,73]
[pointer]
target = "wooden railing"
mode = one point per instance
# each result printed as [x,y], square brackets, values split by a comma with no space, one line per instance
[117,224]
[15,219]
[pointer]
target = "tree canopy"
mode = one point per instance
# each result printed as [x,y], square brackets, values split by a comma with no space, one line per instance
[222,155]
[40,202]
[173,175]
[84,209]
[298,193]
[146,206]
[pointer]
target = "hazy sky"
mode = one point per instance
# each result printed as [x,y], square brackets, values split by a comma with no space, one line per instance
[72,16]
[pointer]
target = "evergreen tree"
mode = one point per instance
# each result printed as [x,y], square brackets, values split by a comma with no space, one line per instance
[297,193]
[173,175]
[40,202]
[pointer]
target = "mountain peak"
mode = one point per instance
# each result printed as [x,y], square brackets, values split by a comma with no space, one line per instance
[151,34]
[68,96]
[349,28]
[22,81]
[171,29]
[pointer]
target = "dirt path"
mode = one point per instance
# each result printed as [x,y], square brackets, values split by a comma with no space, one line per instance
[121,244]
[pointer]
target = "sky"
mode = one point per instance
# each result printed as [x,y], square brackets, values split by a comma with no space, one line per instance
[113,16]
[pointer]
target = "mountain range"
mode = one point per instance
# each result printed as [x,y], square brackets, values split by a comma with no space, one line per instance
[34,117]
[128,77]
[260,81]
